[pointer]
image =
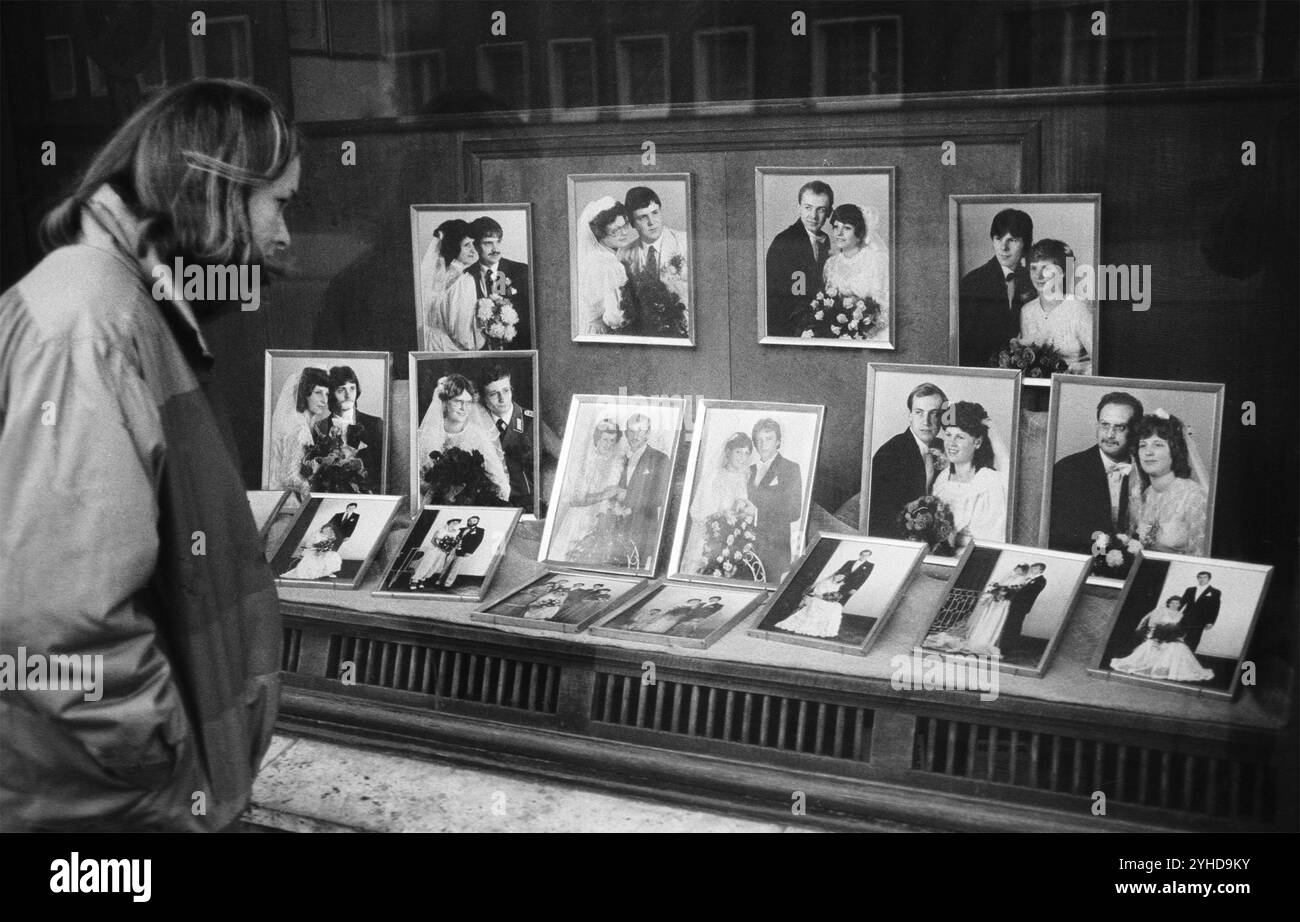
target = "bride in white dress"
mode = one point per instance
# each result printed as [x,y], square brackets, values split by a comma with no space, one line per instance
[320,559]
[821,612]
[449,298]
[603,229]
[861,265]
[455,419]
[974,484]
[1163,654]
[723,487]
[590,488]
[303,401]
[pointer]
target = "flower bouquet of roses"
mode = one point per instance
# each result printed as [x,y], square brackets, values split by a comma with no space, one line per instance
[833,314]
[1112,555]
[1034,361]
[928,519]
[331,465]
[496,316]
[729,545]
[456,477]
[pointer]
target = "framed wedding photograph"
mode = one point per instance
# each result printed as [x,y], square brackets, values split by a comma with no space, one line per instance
[1024,274]
[841,593]
[561,600]
[609,502]
[466,402]
[747,492]
[334,539]
[1132,466]
[266,505]
[939,457]
[324,421]
[680,615]
[451,553]
[631,261]
[825,239]
[472,265]
[1185,623]
[1008,604]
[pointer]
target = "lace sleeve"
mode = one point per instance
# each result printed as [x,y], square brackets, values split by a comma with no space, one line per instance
[1192,508]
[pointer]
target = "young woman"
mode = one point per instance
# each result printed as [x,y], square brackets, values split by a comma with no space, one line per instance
[1171,512]
[974,484]
[1163,654]
[1054,318]
[603,229]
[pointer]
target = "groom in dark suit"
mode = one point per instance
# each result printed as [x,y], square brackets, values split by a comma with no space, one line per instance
[855,573]
[644,482]
[902,469]
[1020,604]
[1090,488]
[990,297]
[344,524]
[1200,609]
[467,542]
[803,248]
[492,271]
[776,490]
[358,428]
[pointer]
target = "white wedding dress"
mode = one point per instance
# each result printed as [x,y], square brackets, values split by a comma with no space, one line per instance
[451,302]
[863,275]
[723,491]
[979,505]
[599,472]
[601,277]
[820,614]
[478,434]
[290,438]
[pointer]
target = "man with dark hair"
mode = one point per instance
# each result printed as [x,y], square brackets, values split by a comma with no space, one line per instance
[795,259]
[494,273]
[1090,488]
[855,573]
[990,297]
[776,490]
[344,524]
[659,251]
[514,425]
[467,542]
[903,469]
[1200,609]
[359,429]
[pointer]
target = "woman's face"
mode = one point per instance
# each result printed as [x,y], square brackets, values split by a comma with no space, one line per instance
[618,233]
[468,255]
[846,236]
[1154,455]
[318,401]
[959,445]
[266,205]
[1174,605]
[1043,272]
[456,410]
[738,457]
[606,442]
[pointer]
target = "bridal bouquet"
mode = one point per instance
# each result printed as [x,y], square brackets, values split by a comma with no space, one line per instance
[608,542]
[729,546]
[496,316]
[331,465]
[1112,555]
[456,477]
[929,519]
[651,307]
[1034,361]
[833,314]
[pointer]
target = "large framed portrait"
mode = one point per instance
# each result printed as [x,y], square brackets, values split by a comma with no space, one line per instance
[1023,283]
[333,540]
[450,553]
[467,402]
[609,502]
[631,262]
[266,505]
[1008,604]
[1132,465]
[472,265]
[841,593]
[560,600]
[747,493]
[1185,623]
[939,455]
[324,421]
[826,247]
[680,615]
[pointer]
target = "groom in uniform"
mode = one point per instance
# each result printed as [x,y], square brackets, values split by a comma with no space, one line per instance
[855,573]
[903,468]
[1090,488]
[803,248]
[514,425]
[492,270]
[776,490]
[990,297]
[1200,609]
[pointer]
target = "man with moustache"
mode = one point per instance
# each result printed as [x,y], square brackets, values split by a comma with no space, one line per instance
[514,425]
[801,248]
[991,296]
[904,468]
[359,429]
[493,272]
[1090,488]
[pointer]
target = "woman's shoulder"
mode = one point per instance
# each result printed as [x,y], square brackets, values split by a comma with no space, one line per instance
[989,477]
[1185,487]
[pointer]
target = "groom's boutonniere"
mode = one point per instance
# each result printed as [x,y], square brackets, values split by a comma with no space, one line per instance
[938,459]
[677,266]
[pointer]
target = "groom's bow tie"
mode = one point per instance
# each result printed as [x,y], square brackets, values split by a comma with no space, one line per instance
[1118,471]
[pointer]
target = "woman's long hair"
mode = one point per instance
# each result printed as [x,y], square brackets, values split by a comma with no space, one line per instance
[185,163]
[451,236]
[969,418]
[310,379]
[1169,428]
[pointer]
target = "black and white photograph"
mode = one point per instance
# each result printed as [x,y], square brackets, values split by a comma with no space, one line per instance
[631,264]
[560,600]
[610,500]
[841,593]
[333,540]
[675,614]
[475,429]
[938,457]
[826,256]
[450,553]
[266,505]
[1009,604]
[747,492]
[1133,467]
[473,277]
[325,421]
[1186,623]
[1022,283]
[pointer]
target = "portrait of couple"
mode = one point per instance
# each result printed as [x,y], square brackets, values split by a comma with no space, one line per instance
[316,436]
[681,615]
[559,601]
[828,275]
[475,429]
[317,556]
[631,263]
[612,484]
[473,289]
[450,551]
[333,539]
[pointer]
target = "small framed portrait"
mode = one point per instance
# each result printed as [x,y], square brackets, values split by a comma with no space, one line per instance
[1009,604]
[680,615]
[266,505]
[333,540]
[560,600]
[324,421]
[467,402]
[938,455]
[1132,466]
[826,247]
[1185,623]
[610,498]
[841,593]
[1023,283]
[473,276]
[451,553]
[747,493]
[631,263]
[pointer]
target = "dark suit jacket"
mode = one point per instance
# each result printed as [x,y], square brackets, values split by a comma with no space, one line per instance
[1080,501]
[791,252]
[779,499]
[692,625]
[370,430]
[1018,607]
[897,478]
[1203,613]
[470,539]
[517,443]
[986,320]
[853,580]
[518,275]
[343,527]
[646,492]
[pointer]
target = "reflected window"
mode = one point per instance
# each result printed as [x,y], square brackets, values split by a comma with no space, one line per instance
[643,77]
[572,72]
[503,73]
[858,57]
[724,64]
[226,51]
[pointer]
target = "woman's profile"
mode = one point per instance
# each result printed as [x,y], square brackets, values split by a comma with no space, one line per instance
[603,229]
